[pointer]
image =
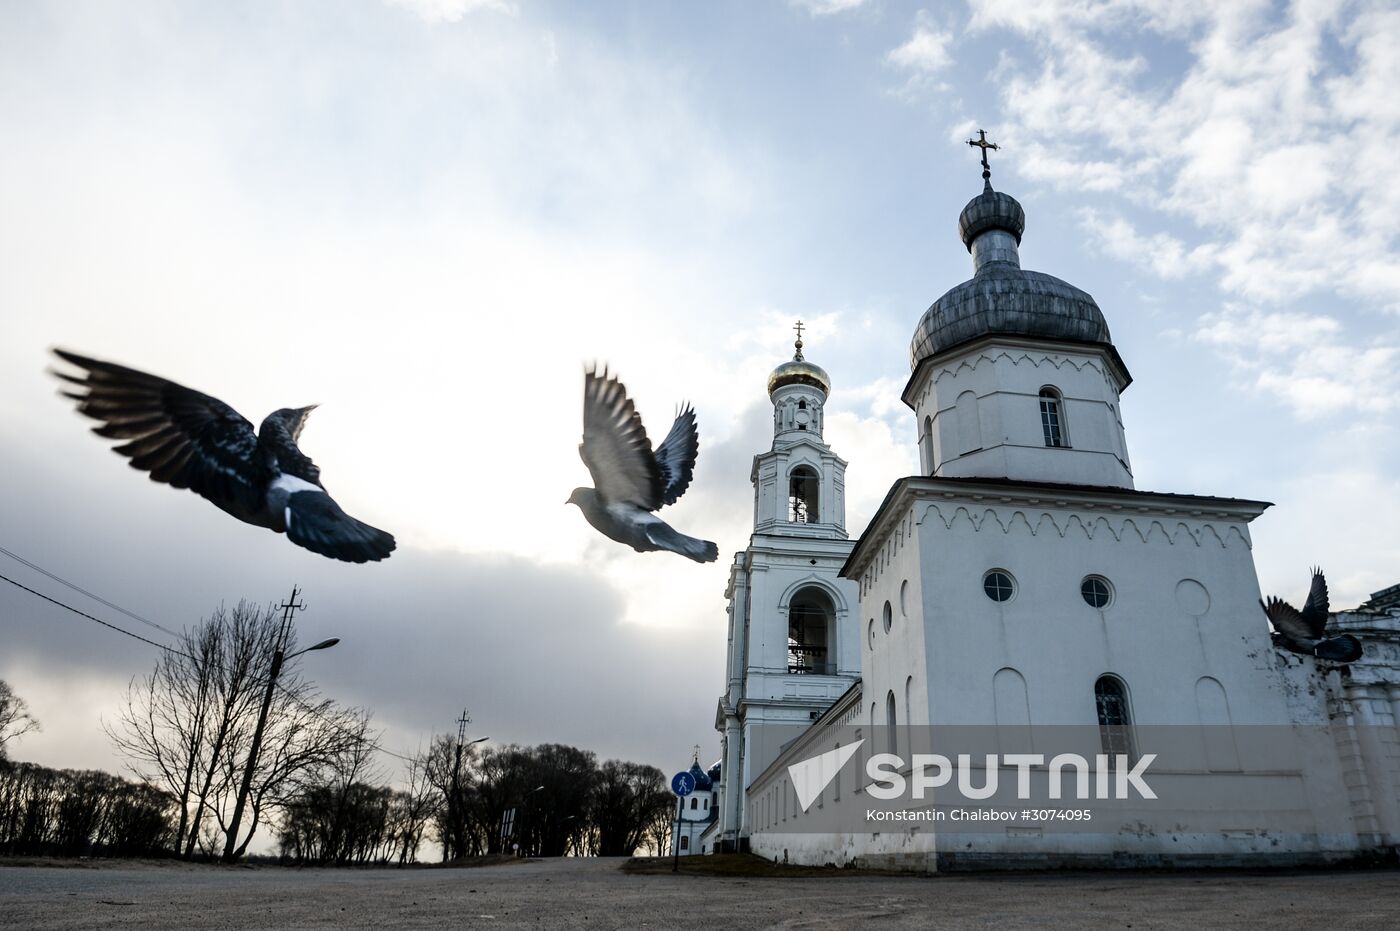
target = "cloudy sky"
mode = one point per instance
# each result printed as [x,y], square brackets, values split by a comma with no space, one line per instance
[427,215]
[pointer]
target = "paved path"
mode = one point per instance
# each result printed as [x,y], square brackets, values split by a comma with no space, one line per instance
[597,894]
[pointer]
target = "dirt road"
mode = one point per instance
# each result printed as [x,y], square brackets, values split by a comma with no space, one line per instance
[598,894]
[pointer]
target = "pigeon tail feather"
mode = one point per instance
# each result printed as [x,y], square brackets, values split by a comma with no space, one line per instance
[316,522]
[668,537]
[1343,649]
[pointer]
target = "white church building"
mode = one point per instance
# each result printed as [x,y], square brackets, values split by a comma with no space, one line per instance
[1022,580]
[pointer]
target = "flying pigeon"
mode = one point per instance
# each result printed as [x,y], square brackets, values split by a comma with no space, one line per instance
[631,480]
[190,440]
[1302,631]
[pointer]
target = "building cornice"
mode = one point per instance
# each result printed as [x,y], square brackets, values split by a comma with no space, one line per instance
[988,492]
[1115,362]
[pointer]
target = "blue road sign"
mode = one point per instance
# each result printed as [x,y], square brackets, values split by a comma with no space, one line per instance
[683,784]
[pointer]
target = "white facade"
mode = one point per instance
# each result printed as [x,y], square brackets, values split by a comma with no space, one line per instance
[1022,580]
[793,644]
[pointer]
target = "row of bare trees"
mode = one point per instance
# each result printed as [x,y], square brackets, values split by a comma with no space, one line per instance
[550,800]
[187,727]
[51,812]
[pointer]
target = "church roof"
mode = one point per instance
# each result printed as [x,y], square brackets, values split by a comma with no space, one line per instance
[702,779]
[1001,297]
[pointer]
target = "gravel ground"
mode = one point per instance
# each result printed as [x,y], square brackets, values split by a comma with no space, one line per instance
[597,893]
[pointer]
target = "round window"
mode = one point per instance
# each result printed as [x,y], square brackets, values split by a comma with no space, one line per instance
[1096,591]
[872,633]
[999,585]
[904,598]
[889,617]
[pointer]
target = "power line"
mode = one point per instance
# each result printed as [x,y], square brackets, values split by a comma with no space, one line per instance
[160,646]
[97,620]
[83,591]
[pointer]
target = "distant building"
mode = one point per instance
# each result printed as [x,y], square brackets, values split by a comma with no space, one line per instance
[1021,579]
[696,813]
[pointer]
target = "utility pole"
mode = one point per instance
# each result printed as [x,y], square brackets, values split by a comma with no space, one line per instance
[453,803]
[289,608]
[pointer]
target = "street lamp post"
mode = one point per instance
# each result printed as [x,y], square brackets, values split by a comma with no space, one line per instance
[454,805]
[231,843]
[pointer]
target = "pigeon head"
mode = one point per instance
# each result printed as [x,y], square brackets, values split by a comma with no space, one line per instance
[583,497]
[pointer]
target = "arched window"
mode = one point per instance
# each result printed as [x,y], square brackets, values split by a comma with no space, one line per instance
[926,445]
[685,842]
[1115,720]
[802,496]
[891,722]
[811,635]
[1052,417]
[694,803]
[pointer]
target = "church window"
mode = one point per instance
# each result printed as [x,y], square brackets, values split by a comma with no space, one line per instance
[1096,591]
[926,445]
[694,803]
[810,633]
[999,585]
[889,617]
[685,842]
[802,496]
[1052,417]
[1115,720]
[802,405]
[891,722]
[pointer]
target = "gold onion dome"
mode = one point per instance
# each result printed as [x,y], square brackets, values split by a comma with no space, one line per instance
[799,372]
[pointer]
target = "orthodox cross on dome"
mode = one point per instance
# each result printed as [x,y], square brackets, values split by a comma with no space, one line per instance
[696,752]
[798,344]
[981,143]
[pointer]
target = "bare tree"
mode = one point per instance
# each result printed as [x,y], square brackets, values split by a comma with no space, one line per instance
[630,802]
[15,719]
[187,726]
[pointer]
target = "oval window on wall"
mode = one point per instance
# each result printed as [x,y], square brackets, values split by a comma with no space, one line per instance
[999,585]
[904,598]
[871,637]
[889,617]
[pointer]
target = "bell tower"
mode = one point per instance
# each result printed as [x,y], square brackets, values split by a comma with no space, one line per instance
[799,484]
[794,644]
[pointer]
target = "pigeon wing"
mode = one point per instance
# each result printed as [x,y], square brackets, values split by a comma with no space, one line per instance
[676,455]
[1287,620]
[181,437]
[615,446]
[1315,609]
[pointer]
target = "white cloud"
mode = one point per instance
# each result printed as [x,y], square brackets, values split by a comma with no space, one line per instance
[1302,359]
[925,52]
[1161,253]
[450,11]
[1272,140]
[826,7]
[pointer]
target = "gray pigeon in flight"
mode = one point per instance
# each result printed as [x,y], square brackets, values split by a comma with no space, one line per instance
[1302,631]
[631,481]
[190,440]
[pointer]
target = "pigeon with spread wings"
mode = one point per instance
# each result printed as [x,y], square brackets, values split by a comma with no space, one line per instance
[191,440]
[630,480]
[1303,631]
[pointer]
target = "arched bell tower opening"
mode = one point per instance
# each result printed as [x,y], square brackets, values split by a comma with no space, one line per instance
[811,634]
[804,490]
